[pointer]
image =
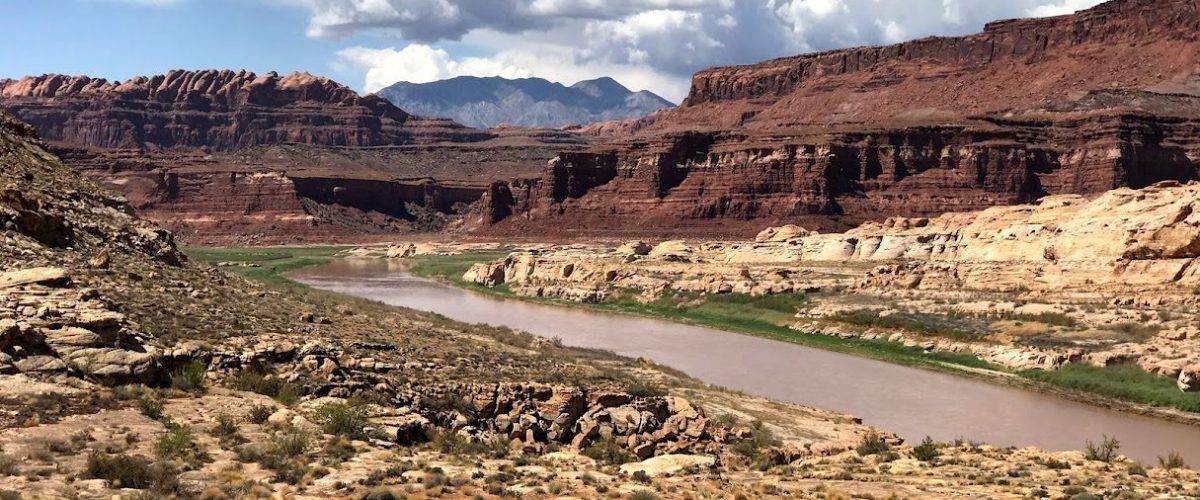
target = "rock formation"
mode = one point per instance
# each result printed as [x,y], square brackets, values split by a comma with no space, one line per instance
[215,110]
[224,156]
[1124,257]
[1078,104]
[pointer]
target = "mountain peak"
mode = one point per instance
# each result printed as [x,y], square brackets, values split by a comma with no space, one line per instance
[525,102]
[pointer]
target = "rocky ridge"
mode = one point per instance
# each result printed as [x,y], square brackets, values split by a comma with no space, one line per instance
[215,110]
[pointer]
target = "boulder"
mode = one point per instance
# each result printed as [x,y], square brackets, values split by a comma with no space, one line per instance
[781,234]
[666,465]
[50,276]
[1189,378]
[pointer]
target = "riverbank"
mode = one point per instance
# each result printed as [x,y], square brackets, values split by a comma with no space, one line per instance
[1122,387]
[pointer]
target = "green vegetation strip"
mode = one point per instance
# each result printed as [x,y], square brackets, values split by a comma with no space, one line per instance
[265,264]
[766,317]
[762,316]
[1122,382]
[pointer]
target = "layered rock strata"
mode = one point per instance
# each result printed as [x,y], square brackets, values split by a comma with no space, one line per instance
[1077,104]
[1118,256]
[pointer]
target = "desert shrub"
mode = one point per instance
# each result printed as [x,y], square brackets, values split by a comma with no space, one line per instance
[9,466]
[379,494]
[451,443]
[1104,451]
[226,426]
[347,418]
[151,407]
[643,495]
[927,451]
[127,471]
[755,445]
[257,382]
[284,455]
[639,389]
[178,443]
[1173,460]
[607,451]
[873,444]
[259,414]
[1137,469]
[641,477]
[337,450]
[190,378]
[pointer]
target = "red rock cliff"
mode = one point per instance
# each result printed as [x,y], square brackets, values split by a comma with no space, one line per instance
[1073,104]
[219,110]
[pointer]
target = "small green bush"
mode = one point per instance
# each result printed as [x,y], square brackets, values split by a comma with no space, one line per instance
[1173,460]
[190,378]
[178,443]
[226,426]
[643,495]
[256,382]
[607,451]
[640,389]
[347,418]
[873,444]
[126,471]
[151,407]
[1104,451]
[927,451]
[259,414]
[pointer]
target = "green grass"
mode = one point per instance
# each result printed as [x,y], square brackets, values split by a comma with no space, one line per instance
[269,263]
[1123,382]
[450,268]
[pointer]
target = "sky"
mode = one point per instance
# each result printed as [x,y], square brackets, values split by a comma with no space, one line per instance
[654,45]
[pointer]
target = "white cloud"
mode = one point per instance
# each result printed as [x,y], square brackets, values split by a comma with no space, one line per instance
[419,63]
[659,43]
[1060,8]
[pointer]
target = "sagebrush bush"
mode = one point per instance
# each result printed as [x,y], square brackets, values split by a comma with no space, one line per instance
[1172,461]
[1104,451]
[607,451]
[190,378]
[927,451]
[873,444]
[259,414]
[151,407]
[126,471]
[347,418]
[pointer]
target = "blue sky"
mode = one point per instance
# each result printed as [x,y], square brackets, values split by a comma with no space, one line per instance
[367,44]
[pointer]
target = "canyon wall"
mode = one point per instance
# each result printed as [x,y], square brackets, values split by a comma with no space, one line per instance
[732,184]
[1076,104]
[216,110]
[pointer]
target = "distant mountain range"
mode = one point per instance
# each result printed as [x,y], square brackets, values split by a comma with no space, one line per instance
[528,102]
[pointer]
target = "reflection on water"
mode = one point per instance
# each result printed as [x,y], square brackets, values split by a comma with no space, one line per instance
[908,401]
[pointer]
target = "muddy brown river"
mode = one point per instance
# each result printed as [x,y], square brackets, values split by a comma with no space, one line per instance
[911,402]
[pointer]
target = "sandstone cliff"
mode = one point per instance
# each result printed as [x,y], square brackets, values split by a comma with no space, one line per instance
[216,110]
[1077,104]
[1120,269]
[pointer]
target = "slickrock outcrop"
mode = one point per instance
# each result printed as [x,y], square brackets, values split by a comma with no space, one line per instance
[215,110]
[1078,104]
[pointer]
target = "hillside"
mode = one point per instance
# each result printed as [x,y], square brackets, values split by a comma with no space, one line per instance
[528,102]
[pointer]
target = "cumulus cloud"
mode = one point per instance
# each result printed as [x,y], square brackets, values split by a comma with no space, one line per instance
[420,63]
[657,41]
